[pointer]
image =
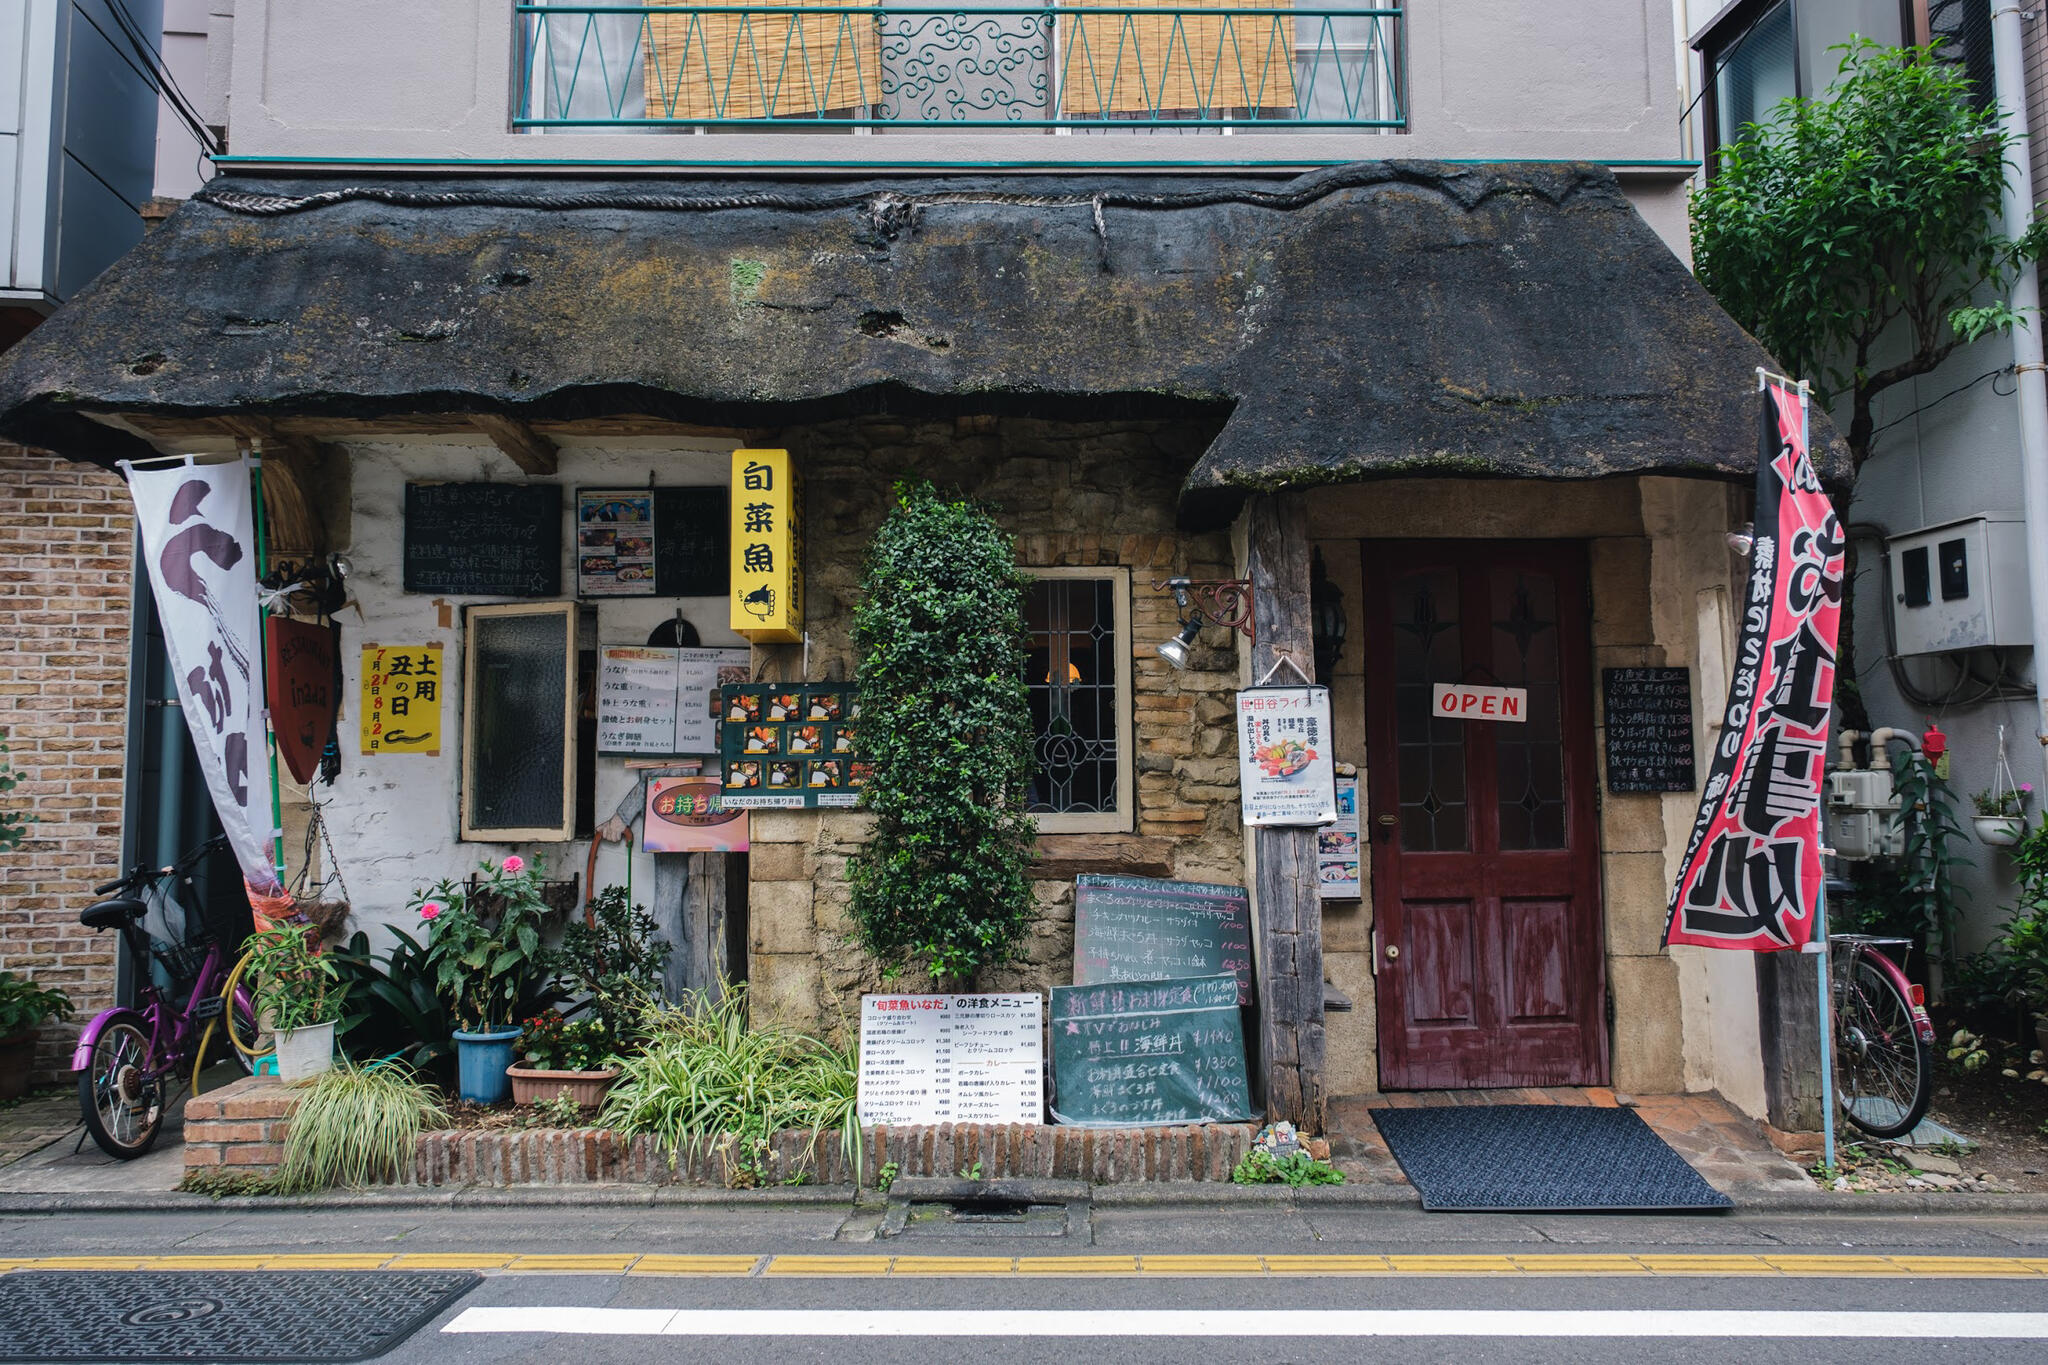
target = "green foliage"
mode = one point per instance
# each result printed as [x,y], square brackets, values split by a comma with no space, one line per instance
[1869,208]
[13,823]
[297,986]
[554,1042]
[356,1126]
[398,1010]
[24,1005]
[947,725]
[886,1177]
[1927,815]
[706,1076]
[1296,1169]
[559,1110]
[484,947]
[617,961]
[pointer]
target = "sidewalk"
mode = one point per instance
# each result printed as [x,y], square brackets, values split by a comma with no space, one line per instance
[45,1150]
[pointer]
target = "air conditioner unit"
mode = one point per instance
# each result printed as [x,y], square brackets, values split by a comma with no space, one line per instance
[1962,585]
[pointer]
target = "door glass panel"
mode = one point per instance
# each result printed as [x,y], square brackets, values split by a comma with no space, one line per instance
[1431,758]
[1530,755]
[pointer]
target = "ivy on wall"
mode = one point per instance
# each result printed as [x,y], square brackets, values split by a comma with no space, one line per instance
[945,721]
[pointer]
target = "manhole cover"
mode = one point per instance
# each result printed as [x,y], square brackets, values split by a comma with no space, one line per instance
[229,1316]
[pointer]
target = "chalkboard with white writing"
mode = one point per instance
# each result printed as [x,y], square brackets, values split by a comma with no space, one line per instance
[1649,729]
[1149,1052]
[484,539]
[692,542]
[1144,929]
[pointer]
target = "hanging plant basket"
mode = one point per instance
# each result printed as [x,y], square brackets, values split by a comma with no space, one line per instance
[2000,831]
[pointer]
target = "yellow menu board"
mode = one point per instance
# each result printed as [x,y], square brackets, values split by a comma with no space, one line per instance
[401,702]
[767,548]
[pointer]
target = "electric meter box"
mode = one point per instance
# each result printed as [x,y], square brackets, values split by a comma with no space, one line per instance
[1962,585]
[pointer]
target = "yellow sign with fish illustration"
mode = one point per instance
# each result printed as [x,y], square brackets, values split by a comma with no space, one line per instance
[767,548]
[401,710]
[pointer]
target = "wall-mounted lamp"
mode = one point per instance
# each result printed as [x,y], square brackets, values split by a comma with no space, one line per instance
[1224,602]
[1327,623]
[1742,539]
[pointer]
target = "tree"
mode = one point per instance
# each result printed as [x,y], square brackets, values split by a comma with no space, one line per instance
[1854,233]
[946,723]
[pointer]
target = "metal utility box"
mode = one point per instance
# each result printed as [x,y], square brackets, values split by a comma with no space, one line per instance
[1962,585]
[1861,815]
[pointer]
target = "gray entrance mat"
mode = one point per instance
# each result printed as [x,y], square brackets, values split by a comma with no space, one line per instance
[224,1316]
[1547,1157]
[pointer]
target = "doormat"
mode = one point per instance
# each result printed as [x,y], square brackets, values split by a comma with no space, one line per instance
[1549,1157]
[224,1316]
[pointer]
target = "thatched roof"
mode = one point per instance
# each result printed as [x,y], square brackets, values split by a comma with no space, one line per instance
[1372,320]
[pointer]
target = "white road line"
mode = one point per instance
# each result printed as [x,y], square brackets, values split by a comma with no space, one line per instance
[1369,1322]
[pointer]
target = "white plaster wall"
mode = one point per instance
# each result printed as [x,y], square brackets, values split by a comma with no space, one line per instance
[393,818]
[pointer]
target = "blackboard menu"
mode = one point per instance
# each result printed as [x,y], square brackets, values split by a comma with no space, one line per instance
[1147,1052]
[484,539]
[1649,729]
[692,542]
[1143,929]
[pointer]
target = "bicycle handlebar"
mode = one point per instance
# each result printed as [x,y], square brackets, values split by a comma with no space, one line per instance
[143,872]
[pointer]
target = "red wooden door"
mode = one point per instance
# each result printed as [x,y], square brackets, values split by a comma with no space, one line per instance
[1485,846]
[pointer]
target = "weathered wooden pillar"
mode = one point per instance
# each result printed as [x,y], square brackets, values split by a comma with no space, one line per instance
[1788,1028]
[1289,914]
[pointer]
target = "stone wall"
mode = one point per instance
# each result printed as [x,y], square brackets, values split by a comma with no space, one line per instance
[65,576]
[1075,495]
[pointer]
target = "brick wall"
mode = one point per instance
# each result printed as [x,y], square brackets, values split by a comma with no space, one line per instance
[65,571]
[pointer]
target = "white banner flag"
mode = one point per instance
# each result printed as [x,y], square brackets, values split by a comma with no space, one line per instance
[199,542]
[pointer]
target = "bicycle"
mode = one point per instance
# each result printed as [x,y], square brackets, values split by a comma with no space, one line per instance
[128,1059]
[1883,1039]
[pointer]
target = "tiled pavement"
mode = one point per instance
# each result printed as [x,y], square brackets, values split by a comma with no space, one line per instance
[35,1123]
[1721,1143]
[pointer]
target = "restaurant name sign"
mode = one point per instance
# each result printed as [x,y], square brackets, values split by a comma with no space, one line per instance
[767,548]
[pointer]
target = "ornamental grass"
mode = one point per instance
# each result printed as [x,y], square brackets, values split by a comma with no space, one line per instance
[357,1126]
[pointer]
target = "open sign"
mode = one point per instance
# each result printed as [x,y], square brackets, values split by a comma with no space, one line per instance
[1456,701]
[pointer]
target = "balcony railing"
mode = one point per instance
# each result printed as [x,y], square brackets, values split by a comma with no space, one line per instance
[1242,66]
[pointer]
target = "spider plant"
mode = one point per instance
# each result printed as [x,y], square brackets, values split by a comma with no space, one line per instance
[356,1126]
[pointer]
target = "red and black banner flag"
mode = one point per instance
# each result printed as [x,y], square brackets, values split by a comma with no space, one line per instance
[1751,877]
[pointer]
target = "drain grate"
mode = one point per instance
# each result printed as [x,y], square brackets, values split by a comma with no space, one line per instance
[224,1316]
[975,1217]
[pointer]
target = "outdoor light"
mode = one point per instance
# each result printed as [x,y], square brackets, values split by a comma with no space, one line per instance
[1175,651]
[1743,539]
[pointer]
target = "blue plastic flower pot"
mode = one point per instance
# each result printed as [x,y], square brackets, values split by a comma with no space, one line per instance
[480,1063]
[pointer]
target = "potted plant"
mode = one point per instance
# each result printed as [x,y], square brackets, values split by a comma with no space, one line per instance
[2002,814]
[24,1008]
[486,959]
[564,1056]
[299,996]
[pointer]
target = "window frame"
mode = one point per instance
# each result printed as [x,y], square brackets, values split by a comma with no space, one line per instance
[570,611]
[1124,818]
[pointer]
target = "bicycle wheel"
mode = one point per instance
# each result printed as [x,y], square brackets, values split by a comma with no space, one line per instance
[241,1018]
[1884,1071]
[123,1106]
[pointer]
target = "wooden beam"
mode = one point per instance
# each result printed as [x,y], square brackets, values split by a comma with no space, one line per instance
[525,447]
[292,466]
[1290,913]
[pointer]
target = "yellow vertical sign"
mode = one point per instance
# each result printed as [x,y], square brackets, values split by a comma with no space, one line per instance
[401,702]
[767,548]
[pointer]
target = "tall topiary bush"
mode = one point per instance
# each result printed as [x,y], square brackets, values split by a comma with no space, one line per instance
[946,723]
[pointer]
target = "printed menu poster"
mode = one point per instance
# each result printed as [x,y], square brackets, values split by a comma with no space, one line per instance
[615,544]
[791,746]
[951,1059]
[1285,775]
[1337,846]
[401,699]
[662,701]
[684,815]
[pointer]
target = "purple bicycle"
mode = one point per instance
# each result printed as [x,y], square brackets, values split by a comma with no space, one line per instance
[130,1060]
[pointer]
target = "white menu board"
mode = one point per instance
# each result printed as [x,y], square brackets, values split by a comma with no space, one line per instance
[952,1059]
[662,701]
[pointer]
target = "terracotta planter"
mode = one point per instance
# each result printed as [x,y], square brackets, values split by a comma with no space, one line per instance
[2000,831]
[17,1057]
[531,1085]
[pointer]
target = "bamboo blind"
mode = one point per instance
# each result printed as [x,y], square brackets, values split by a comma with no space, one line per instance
[762,64]
[1136,64]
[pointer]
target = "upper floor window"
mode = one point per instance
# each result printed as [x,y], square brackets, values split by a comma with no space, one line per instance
[1211,65]
[1079,678]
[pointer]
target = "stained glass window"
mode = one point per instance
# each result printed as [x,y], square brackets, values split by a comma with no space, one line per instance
[1075,676]
[1430,753]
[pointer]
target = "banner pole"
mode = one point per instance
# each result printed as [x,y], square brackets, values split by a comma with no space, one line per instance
[1827,1028]
[263,657]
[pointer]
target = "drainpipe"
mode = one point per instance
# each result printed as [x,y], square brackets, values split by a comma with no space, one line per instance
[2008,37]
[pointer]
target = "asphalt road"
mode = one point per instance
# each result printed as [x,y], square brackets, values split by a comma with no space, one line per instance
[1300,1284]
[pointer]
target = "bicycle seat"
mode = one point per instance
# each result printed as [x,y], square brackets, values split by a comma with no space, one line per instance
[112,914]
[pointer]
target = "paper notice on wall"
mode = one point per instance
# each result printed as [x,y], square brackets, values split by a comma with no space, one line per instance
[952,1059]
[684,815]
[615,544]
[1337,847]
[1285,774]
[661,701]
[401,699]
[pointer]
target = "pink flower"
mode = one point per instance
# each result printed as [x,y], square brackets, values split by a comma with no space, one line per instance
[515,863]
[430,910]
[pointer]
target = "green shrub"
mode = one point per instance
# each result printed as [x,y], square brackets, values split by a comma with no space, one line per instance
[24,1005]
[484,948]
[617,961]
[13,823]
[705,1075]
[356,1126]
[1295,1169]
[947,725]
[297,986]
[396,1009]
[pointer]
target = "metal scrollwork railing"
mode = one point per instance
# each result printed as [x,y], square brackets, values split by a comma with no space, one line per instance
[1235,65]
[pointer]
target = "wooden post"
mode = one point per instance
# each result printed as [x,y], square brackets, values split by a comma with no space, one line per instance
[1290,915]
[1788,1027]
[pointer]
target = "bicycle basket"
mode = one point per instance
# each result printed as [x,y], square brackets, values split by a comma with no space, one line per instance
[181,960]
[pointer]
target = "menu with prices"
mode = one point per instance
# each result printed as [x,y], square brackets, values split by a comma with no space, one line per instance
[1337,846]
[662,701]
[952,1059]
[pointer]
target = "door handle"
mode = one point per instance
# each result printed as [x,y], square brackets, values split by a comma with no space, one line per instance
[1386,824]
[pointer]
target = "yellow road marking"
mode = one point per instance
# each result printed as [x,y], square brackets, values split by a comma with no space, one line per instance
[1185,1265]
